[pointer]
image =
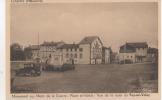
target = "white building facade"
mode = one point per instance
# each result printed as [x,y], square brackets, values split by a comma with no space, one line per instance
[48,49]
[133,52]
[127,56]
[106,55]
[70,53]
[92,50]
[87,51]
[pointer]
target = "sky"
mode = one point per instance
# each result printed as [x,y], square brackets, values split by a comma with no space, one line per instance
[114,23]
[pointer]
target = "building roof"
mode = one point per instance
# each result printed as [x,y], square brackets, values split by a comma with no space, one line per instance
[138,44]
[89,39]
[131,47]
[67,46]
[52,43]
[33,47]
[127,49]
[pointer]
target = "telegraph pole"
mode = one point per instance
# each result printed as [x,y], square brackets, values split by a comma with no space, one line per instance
[125,52]
[38,45]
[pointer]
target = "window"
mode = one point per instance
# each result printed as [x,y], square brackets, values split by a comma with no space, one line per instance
[75,49]
[81,56]
[50,55]
[80,49]
[131,57]
[71,55]
[67,55]
[75,55]
[71,49]
[67,49]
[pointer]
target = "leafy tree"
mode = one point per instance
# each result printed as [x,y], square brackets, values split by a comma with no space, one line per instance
[16,52]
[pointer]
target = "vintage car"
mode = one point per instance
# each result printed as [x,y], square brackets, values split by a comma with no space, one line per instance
[67,67]
[63,67]
[30,69]
[126,61]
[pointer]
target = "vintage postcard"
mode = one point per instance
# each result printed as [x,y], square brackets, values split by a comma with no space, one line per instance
[77,49]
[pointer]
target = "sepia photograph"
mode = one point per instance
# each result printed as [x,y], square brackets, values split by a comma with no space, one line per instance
[84,47]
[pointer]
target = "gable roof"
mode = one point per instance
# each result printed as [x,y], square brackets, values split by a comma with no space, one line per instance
[33,47]
[89,39]
[52,43]
[67,46]
[138,45]
[127,49]
[131,47]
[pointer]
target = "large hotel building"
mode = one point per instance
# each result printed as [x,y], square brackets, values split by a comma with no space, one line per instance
[87,51]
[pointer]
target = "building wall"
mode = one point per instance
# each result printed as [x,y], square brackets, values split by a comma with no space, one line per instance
[82,55]
[152,57]
[56,59]
[46,51]
[107,56]
[85,58]
[96,52]
[127,56]
[70,54]
[141,54]
[141,51]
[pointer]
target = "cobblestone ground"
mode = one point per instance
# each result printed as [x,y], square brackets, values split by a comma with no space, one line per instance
[112,78]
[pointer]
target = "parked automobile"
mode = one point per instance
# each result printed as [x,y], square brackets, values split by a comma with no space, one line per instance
[63,67]
[30,69]
[127,61]
[53,67]
[67,67]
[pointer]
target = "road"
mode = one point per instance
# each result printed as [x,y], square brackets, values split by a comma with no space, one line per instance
[111,78]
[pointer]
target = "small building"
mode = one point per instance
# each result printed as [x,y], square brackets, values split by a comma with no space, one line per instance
[114,58]
[133,52]
[152,55]
[106,55]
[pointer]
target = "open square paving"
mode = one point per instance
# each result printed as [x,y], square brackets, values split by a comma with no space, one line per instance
[110,78]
